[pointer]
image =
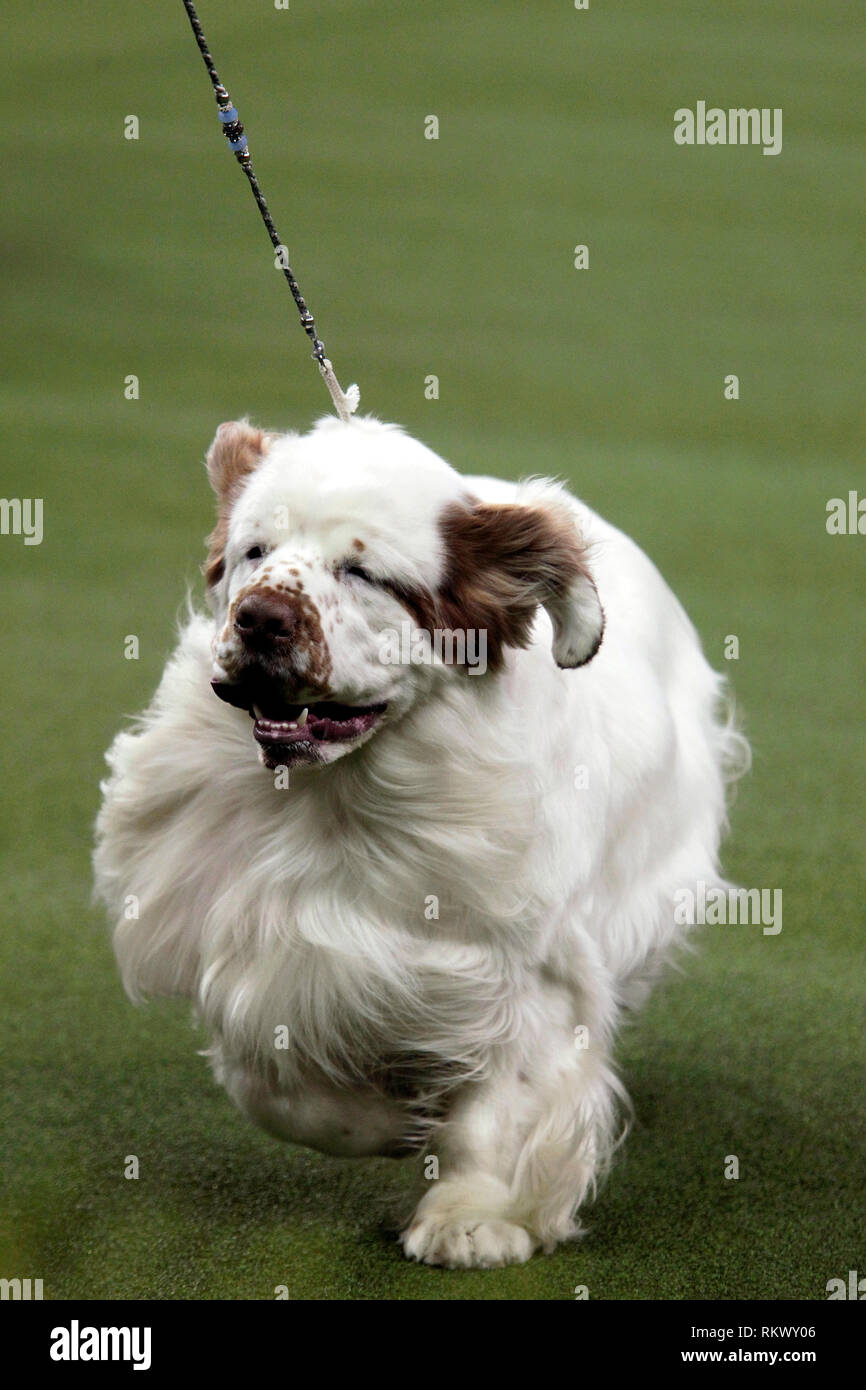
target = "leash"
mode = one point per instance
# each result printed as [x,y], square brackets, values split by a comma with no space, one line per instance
[345,403]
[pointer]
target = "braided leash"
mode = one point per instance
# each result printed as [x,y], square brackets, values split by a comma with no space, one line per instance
[345,403]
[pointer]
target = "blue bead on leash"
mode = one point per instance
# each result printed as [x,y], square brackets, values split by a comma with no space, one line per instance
[236,138]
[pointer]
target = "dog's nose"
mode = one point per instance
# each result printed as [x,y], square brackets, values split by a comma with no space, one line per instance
[263,619]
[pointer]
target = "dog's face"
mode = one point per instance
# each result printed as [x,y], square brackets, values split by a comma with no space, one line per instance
[338,559]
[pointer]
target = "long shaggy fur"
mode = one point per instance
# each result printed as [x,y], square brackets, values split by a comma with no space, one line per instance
[549,814]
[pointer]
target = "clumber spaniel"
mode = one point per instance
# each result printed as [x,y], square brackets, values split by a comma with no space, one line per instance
[407,815]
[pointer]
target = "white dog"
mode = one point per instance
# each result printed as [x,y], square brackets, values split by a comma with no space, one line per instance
[409,895]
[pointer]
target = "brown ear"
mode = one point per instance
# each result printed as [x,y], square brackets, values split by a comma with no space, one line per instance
[503,560]
[237,450]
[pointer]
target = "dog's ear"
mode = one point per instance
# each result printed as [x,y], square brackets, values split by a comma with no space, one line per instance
[503,560]
[237,450]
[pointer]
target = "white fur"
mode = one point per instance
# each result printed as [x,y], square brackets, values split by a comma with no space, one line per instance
[305,906]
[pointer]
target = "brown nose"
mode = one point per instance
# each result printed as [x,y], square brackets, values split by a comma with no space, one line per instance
[262,620]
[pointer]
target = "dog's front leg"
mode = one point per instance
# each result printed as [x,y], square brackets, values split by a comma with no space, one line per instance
[517,1154]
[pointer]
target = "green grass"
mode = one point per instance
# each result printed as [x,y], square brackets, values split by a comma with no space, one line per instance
[452,257]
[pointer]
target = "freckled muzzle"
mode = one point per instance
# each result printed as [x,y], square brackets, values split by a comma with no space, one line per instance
[282,626]
[280,651]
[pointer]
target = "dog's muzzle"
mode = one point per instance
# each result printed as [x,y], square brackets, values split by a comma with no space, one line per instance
[281,676]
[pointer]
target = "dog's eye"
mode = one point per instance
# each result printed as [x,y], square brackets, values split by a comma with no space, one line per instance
[358,572]
[255,552]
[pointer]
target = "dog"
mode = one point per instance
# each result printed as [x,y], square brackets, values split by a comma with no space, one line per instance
[412,892]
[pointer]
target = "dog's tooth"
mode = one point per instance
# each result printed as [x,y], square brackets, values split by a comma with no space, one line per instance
[302,719]
[291,726]
[257,712]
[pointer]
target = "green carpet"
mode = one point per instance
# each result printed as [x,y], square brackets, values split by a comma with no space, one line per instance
[452,257]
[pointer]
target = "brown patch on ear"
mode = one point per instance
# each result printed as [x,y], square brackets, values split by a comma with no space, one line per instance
[237,450]
[502,561]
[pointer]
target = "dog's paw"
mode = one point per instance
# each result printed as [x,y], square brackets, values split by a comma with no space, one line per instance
[466,1243]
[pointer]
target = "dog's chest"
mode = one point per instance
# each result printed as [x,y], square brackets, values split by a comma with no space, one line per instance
[358,921]
[326,985]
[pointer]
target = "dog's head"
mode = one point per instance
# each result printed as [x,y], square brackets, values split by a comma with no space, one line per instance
[351,569]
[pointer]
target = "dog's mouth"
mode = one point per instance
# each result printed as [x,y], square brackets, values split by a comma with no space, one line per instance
[299,730]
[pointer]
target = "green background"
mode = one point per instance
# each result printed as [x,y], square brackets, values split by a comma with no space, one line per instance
[452,257]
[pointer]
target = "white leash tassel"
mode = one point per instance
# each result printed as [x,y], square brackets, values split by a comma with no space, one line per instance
[345,402]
